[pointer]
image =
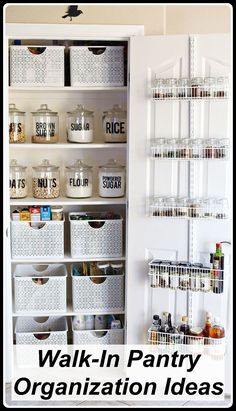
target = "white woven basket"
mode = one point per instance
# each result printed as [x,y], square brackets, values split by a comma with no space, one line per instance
[112,336]
[31,296]
[31,242]
[29,331]
[89,242]
[90,297]
[29,69]
[89,69]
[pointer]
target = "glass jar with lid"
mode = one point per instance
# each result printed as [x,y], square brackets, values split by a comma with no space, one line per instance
[16,125]
[45,125]
[222,87]
[210,147]
[158,88]
[17,180]
[46,180]
[196,149]
[197,87]
[78,180]
[183,85]
[115,125]
[171,88]
[209,87]
[57,213]
[111,179]
[80,125]
[117,268]
[223,148]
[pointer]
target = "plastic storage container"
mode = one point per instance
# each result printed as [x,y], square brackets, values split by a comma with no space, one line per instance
[92,297]
[98,238]
[115,125]
[17,180]
[40,288]
[45,125]
[16,125]
[36,66]
[78,180]
[80,125]
[111,179]
[97,66]
[41,330]
[46,180]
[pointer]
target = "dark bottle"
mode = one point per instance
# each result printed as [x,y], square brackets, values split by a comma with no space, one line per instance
[164,330]
[218,267]
[184,328]
[155,328]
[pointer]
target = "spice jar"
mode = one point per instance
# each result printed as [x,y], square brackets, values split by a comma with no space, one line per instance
[158,88]
[209,87]
[16,125]
[157,147]
[80,125]
[57,213]
[45,125]
[196,87]
[17,180]
[222,87]
[111,179]
[184,277]
[115,125]
[157,206]
[171,88]
[210,148]
[183,84]
[78,180]
[173,275]
[195,277]
[104,268]
[46,180]
[194,208]
[196,150]
[182,207]
[196,339]
[205,280]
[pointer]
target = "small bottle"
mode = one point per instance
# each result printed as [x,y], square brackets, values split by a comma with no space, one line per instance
[217,330]
[184,328]
[164,337]
[218,267]
[155,328]
[208,324]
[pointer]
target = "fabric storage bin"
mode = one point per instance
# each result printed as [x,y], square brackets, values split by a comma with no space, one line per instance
[44,242]
[97,66]
[89,242]
[89,337]
[41,330]
[30,69]
[40,288]
[92,297]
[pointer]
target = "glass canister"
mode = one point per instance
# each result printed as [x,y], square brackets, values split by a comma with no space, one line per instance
[78,180]
[46,180]
[80,125]
[45,125]
[17,180]
[111,179]
[16,125]
[115,125]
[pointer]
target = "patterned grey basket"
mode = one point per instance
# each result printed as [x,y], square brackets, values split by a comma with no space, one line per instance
[92,297]
[40,288]
[89,242]
[88,337]
[53,330]
[31,242]
[89,69]
[29,69]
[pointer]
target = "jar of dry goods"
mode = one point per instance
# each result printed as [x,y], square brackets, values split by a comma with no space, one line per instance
[111,179]
[17,180]
[115,125]
[80,125]
[46,180]
[45,125]
[78,180]
[57,213]
[16,125]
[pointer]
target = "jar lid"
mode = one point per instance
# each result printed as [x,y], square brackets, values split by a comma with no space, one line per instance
[112,165]
[116,109]
[116,265]
[13,109]
[81,110]
[44,110]
[102,265]
[17,167]
[196,330]
[79,166]
[56,209]
[46,166]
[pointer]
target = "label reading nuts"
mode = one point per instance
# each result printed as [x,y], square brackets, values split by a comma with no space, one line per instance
[46,182]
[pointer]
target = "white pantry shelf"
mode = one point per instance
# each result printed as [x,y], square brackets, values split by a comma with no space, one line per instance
[65,88]
[69,146]
[66,259]
[27,201]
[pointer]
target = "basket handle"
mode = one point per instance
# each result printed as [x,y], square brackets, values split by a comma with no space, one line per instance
[43,336]
[40,281]
[96,224]
[38,227]
[97,50]
[36,50]
[96,334]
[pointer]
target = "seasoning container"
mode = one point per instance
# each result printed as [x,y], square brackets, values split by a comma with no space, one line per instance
[222,87]
[209,87]
[115,125]
[196,339]
[34,216]
[78,180]
[184,277]
[197,87]
[194,208]
[45,125]
[89,322]
[205,280]
[116,268]
[196,149]
[171,207]
[223,148]
[16,125]
[25,214]
[164,274]
[182,207]
[115,325]
[80,125]
[171,88]
[209,205]
[46,180]
[16,215]
[174,275]
[158,91]
[183,84]
[221,208]
[210,146]
[195,277]
[79,322]
[45,213]
[104,268]
[57,213]
[100,322]
[17,180]
[111,179]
